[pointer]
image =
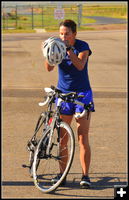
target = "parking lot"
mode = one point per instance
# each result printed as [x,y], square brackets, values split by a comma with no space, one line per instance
[23,79]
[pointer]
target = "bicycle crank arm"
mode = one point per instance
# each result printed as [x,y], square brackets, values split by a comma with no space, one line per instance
[55,157]
[25,166]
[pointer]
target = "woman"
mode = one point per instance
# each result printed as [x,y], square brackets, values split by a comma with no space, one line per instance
[73,76]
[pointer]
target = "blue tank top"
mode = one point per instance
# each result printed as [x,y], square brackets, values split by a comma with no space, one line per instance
[69,77]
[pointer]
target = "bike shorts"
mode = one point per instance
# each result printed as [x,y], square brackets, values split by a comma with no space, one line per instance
[71,108]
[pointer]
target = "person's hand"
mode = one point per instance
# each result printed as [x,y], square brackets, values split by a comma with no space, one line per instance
[43,49]
[68,46]
[66,43]
[42,45]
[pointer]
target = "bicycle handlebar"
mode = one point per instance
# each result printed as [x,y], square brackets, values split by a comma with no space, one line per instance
[49,91]
[70,97]
[52,91]
[44,103]
[80,115]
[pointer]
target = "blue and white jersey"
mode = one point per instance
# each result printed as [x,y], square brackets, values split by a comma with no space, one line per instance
[70,78]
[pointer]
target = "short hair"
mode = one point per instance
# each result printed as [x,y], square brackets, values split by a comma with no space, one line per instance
[70,24]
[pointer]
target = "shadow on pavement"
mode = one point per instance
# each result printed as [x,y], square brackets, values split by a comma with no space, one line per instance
[103,182]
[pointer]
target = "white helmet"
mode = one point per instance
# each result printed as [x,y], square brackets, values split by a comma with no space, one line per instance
[54,50]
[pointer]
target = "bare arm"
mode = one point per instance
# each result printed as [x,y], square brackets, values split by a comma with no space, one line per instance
[48,67]
[80,60]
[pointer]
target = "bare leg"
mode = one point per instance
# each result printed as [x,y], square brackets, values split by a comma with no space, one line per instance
[85,152]
[63,144]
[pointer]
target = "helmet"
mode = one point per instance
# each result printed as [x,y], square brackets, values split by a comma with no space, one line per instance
[54,50]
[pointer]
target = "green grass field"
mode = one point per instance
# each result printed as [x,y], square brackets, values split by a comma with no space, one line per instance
[44,17]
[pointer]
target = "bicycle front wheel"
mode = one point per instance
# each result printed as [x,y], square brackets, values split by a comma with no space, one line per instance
[58,161]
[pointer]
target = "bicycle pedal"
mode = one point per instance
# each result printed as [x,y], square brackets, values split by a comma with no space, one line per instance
[25,166]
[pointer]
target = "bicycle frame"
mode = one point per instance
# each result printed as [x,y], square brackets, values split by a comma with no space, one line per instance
[52,94]
[47,147]
[56,116]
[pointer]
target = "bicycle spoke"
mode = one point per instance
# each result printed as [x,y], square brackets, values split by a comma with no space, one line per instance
[58,161]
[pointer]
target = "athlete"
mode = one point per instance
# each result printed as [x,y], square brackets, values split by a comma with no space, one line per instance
[73,76]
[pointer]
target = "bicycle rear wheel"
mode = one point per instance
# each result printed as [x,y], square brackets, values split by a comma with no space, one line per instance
[58,161]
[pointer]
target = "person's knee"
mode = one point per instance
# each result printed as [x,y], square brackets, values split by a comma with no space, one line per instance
[83,131]
[83,140]
[85,147]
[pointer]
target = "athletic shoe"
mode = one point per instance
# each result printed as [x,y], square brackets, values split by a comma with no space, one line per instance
[85,182]
[57,178]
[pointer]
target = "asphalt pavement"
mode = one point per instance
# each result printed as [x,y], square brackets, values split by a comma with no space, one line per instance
[107,20]
[23,79]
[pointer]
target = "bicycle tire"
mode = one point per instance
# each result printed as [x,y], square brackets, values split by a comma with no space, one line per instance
[31,145]
[31,165]
[42,179]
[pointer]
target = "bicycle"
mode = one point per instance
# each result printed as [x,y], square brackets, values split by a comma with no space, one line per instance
[53,152]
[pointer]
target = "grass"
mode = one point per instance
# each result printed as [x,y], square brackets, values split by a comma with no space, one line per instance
[48,29]
[23,22]
[18,31]
[39,21]
[115,11]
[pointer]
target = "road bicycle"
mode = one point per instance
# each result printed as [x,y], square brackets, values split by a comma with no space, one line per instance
[52,146]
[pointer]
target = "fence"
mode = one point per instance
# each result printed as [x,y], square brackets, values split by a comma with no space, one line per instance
[48,16]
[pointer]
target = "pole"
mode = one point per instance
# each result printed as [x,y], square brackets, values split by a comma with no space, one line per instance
[79,14]
[42,17]
[16,17]
[32,18]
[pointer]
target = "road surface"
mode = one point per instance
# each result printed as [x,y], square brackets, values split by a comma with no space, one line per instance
[23,79]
